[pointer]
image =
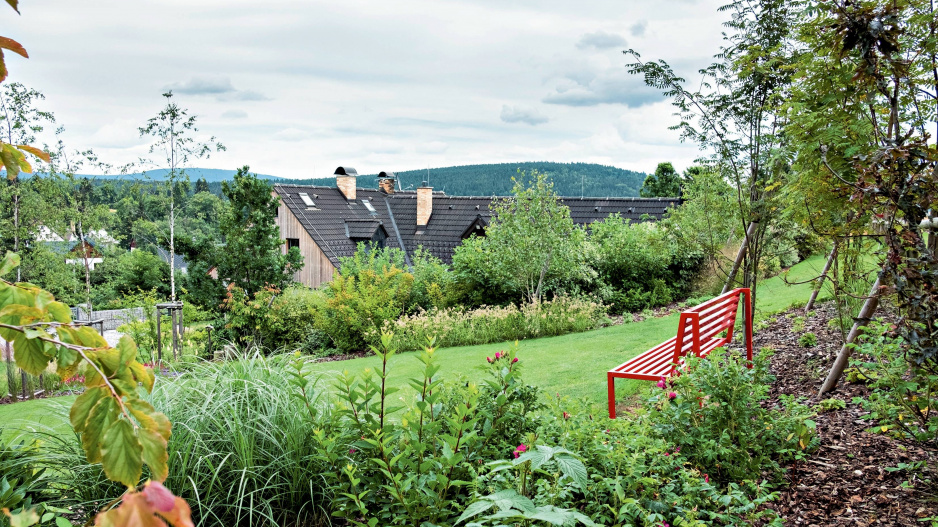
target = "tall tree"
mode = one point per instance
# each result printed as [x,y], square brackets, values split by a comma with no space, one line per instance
[201,185]
[532,241]
[172,130]
[253,256]
[20,121]
[869,132]
[664,183]
[736,113]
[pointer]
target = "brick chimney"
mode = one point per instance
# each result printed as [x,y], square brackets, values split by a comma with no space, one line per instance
[424,204]
[386,182]
[345,179]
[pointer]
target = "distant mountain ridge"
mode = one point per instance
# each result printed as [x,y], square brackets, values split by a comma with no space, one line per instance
[570,179]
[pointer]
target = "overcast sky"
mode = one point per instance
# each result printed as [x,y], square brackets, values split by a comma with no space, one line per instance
[296,88]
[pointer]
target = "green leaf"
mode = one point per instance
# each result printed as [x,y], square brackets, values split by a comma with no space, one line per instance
[102,415]
[572,468]
[154,453]
[474,509]
[30,354]
[121,453]
[59,312]
[10,261]
[62,522]
[81,408]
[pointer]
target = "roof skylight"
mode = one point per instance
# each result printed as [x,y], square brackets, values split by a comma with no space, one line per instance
[306,199]
[369,206]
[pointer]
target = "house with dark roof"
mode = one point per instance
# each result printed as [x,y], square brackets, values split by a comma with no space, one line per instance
[327,223]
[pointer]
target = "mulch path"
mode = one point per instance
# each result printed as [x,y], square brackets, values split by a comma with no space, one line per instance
[845,482]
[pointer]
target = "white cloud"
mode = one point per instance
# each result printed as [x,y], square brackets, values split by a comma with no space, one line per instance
[294,87]
[235,114]
[519,114]
[601,40]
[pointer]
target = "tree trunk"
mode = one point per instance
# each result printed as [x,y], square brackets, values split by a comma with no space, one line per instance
[84,253]
[869,307]
[827,268]
[16,226]
[739,257]
[172,244]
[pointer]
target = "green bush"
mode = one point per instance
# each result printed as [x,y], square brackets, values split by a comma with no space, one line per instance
[459,327]
[904,400]
[359,305]
[642,264]
[716,415]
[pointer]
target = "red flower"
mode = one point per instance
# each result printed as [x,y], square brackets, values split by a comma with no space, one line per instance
[661,383]
[489,359]
[514,360]
[672,395]
[566,415]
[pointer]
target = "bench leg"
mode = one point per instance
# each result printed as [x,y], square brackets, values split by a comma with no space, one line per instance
[611,381]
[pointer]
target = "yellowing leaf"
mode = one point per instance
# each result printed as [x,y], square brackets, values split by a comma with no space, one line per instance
[81,408]
[154,453]
[102,415]
[23,518]
[122,453]
[14,4]
[134,511]
[14,46]
[41,154]
[10,261]
[30,354]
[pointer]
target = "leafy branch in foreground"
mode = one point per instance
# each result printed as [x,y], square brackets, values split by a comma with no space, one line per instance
[118,428]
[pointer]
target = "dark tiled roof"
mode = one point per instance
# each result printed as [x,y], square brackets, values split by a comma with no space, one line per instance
[335,220]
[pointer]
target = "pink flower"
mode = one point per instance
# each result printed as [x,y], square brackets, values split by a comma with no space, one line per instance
[566,415]
[489,359]
[514,360]
[351,451]
[498,355]
[706,478]
[520,450]
[667,454]
[672,395]
[661,383]
[676,450]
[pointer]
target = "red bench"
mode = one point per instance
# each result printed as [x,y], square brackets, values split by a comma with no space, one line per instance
[698,332]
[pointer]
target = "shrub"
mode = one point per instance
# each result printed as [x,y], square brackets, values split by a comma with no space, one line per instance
[904,399]
[273,319]
[459,327]
[808,340]
[715,414]
[359,305]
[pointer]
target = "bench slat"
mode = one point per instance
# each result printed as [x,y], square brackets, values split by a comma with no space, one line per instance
[698,331]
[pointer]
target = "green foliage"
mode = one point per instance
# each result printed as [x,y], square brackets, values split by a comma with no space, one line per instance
[715,414]
[904,400]
[531,247]
[640,264]
[807,340]
[570,179]
[127,273]
[664,183]
[462,327]
[21,481]
[277,320]
[358,305]
[253,256]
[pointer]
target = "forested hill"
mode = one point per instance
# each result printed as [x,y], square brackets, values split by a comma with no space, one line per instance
[570,179]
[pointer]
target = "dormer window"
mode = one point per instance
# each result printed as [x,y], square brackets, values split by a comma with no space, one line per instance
[307,200]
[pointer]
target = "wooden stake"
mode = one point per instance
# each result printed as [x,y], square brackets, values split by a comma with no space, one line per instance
[827,267]
[159,338]
[739,257]
[843,358]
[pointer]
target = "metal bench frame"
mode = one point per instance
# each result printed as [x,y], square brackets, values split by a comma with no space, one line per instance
[698,332]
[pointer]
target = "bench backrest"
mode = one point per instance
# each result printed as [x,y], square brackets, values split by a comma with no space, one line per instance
[705,322]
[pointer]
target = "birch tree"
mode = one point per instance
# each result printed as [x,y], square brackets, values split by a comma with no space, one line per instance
[173,131]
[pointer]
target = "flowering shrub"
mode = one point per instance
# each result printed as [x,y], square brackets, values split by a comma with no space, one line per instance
[459,327]
[715,415]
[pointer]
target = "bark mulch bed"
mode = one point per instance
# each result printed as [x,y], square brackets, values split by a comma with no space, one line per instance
[844,482]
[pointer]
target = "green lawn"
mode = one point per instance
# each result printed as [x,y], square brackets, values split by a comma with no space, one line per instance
[573,365]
